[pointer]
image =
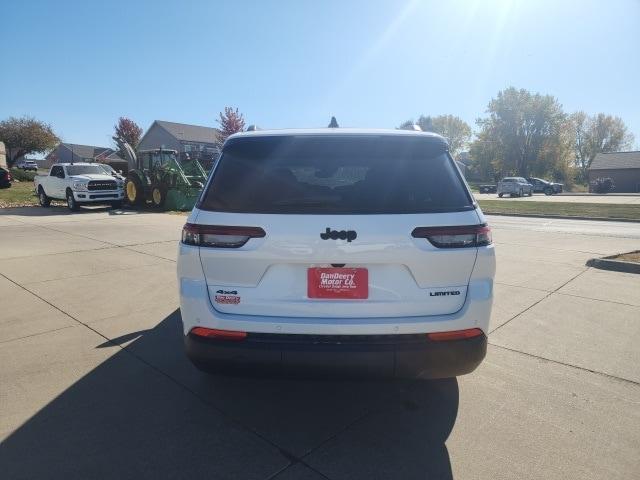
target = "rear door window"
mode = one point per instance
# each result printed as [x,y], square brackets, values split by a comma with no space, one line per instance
[336,175]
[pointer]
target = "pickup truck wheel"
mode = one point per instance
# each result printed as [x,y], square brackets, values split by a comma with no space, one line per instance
[71,202]
[43,199]
[548,191]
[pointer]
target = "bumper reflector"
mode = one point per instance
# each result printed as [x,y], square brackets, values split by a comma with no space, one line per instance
[455,335]
[218,334]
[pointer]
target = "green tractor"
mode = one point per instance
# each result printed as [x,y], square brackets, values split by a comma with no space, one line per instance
[159,177]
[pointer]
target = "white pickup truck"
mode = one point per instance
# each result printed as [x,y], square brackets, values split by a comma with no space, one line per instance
[78,183]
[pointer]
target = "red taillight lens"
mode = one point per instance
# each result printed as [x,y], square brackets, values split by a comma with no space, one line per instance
[455,237]
[218,334]
[219,236]
[455,335]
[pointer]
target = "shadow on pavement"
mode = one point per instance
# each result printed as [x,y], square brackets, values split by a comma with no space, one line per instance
[61,209]
[162,418]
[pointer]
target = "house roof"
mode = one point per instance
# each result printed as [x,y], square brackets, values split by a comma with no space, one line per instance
[89,151]
[189,133]
[85,151]
[114,156]
[616,160]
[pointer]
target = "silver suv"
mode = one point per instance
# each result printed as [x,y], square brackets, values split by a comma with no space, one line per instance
[515,187]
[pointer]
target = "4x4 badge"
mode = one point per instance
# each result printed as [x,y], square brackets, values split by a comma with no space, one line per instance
[348,235]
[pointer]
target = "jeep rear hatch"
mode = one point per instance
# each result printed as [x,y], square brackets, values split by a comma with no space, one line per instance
[336,209]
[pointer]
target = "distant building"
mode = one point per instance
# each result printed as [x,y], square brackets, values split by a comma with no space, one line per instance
[3,156]
[196,141]
[72,152]
[622,167]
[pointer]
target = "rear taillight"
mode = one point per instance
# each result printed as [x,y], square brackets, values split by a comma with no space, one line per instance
[455,335]
[455,237]
[219,236]
[218,334]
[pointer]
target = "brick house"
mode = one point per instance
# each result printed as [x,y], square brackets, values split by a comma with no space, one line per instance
[622,167]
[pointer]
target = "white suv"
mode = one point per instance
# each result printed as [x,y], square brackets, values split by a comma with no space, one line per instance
[346,251]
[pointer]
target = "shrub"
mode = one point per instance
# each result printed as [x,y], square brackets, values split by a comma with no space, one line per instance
[603,185]
[22,175]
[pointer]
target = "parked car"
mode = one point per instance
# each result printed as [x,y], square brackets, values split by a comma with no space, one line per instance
[544,186]
[488,188]
[5,178]
[27,165]
[307,253]
[78,183]
[515,187]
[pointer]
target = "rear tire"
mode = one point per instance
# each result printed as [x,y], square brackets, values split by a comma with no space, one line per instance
[158,196]
[72,205]
[43,199]
[548,191]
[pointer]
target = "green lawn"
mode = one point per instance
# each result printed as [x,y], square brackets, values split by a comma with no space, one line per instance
[594,210]
[18,195]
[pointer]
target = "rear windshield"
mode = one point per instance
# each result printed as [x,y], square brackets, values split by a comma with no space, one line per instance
[335,175]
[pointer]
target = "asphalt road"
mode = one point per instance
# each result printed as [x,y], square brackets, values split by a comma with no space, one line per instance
[94,382]
[632,199]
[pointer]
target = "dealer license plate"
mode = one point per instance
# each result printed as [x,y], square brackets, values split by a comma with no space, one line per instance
[349,283]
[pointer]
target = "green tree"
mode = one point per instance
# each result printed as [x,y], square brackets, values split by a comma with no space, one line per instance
[424,122]
[25,135]
[454,129]
[484,158]
[579,126]
[596,134]
[522,131]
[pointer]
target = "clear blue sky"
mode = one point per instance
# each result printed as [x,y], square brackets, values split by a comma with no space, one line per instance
[79,65]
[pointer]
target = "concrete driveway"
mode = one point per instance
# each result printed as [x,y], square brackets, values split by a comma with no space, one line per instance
[94,382]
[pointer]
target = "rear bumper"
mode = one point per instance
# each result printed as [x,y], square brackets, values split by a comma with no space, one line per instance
[401,356]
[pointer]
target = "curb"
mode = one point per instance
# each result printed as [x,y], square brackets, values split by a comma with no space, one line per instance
[608,263]
[563,217]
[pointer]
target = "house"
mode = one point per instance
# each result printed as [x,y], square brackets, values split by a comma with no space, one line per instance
[72,152]
[3,156]
[196,141]
[622,167]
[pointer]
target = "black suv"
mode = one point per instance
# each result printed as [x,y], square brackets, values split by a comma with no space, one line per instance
[5,178]
[544,186]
